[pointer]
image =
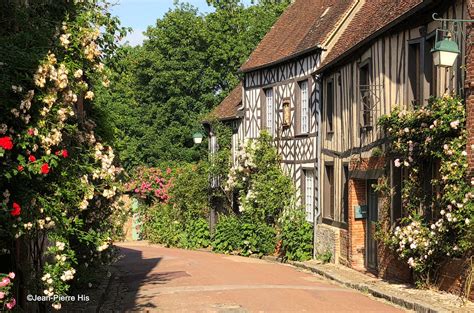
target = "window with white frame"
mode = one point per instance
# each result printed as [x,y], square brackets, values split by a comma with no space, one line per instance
[304,107]
[309,195]
[270,119]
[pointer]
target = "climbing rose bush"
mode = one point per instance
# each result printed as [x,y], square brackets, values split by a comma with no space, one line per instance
[7,301]
[59,184]
[437,134]
[150,184]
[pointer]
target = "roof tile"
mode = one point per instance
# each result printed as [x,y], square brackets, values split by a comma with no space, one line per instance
[304,25]
[371,17]
[228,108]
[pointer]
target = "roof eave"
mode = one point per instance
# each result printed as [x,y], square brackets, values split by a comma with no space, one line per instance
[282,60]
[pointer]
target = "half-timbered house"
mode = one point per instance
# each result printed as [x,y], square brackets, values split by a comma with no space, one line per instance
[280,93]
[382,59]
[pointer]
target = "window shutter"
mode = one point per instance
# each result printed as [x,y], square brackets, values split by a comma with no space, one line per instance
[297,108]
[311,109]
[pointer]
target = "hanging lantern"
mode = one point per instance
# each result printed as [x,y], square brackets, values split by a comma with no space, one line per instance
[197,137]
[445,52]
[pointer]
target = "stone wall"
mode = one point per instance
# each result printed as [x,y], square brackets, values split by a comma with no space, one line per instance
[327,240]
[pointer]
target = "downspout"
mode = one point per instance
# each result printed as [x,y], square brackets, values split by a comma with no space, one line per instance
[318,80]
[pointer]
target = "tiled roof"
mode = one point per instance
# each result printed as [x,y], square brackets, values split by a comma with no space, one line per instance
[303,26]
[370,18]
[228,108]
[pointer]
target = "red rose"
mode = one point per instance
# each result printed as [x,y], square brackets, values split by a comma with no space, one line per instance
[32,158]
[6,143]
[45,168]
[20,168]
[64,153]
[16,209]
[31,132]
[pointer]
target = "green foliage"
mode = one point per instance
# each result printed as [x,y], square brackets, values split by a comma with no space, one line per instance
[257,238]
[61,180]
[264,189]
[180,221]
[162,225]
[296,236]
[162,90]
[243,236]
[324,257]
[227,237]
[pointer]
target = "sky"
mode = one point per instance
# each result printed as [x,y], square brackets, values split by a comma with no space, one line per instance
[139,14]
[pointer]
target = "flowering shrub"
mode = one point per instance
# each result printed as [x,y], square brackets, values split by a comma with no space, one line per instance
[267,205]
[180,219]
[58,182]
[435,133]
[150,184]
[264,189]
[7,301]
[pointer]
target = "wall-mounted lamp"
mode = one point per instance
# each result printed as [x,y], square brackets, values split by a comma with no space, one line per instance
[446,51]
[197,137]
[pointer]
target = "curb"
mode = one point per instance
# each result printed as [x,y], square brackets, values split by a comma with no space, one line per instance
[416,306]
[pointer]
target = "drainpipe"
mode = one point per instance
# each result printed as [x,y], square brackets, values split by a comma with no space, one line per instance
[318,80]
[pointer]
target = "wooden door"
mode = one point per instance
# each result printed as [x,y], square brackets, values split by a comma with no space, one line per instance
[372,218]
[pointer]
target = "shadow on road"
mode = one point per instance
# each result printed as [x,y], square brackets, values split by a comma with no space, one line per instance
[137,272]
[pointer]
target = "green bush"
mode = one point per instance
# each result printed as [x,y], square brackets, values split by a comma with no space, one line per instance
[162,226]
[257,238]
[165,226]
[243,236]
[227,237]
[196,234]
[296,236]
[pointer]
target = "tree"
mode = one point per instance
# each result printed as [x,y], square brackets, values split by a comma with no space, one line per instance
[185,68]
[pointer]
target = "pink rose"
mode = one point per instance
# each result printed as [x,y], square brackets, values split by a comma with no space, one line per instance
[5,281]
[2,295]
[11,304]
[11,275]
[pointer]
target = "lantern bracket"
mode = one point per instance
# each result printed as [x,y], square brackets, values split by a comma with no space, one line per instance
[452,26]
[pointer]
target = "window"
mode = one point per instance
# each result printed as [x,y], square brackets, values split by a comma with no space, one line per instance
[430,68]
[329,106]
[414,73]
[366,101]
[329,192]
[270,123]
[304,98]
[309,195]
[345,194]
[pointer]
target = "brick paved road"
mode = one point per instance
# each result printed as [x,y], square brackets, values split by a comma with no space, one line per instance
[155,279]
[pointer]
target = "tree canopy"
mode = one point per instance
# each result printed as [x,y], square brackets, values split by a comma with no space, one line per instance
[186,66]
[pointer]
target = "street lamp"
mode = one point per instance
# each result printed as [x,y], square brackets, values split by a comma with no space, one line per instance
[445,52]
[197,137]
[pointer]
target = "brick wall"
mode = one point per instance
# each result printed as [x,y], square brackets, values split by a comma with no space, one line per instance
[357,227]
[344,247]
[452,277]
